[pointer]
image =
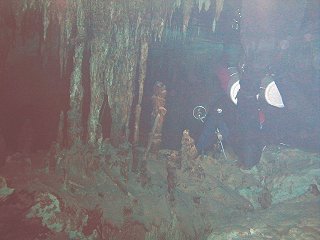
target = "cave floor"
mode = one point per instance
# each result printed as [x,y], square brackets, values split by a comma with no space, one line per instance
[212,199]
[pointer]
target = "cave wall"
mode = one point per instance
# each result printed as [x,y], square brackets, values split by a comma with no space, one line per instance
[85,59]
[50,50]
[30,85]
[79,58]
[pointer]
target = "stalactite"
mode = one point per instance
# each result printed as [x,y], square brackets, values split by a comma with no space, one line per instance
[19,8]
[177,4]
[44,6]
[110,73]
[121,92]
[47,9]
[115,28]
[188,5]
[65,20]
[76,88]
[187,8]
[8,32]
[142,75]
[160,11]
[99,54]
[114,56]
[76,96]
[46,18]
[219,7]
[205,3]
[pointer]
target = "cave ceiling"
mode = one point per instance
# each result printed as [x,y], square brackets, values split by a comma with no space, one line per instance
[87,54]
[82,58]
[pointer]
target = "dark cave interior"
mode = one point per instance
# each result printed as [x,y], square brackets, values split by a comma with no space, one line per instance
[77,83]
[32,87]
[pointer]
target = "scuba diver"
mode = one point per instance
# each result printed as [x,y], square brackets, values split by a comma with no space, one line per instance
[284,43]
[239,127]
[242,132]
[264,58]
[249,147]
[215,128]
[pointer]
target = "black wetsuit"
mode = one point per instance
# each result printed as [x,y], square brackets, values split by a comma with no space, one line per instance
[214,122]
[265,26]
[249,143]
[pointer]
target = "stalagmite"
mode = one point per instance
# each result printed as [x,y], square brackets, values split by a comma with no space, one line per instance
[158,100]
[188,149]
[159,111]
[173,163]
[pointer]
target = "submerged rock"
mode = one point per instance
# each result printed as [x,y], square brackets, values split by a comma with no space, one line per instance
[4,190]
